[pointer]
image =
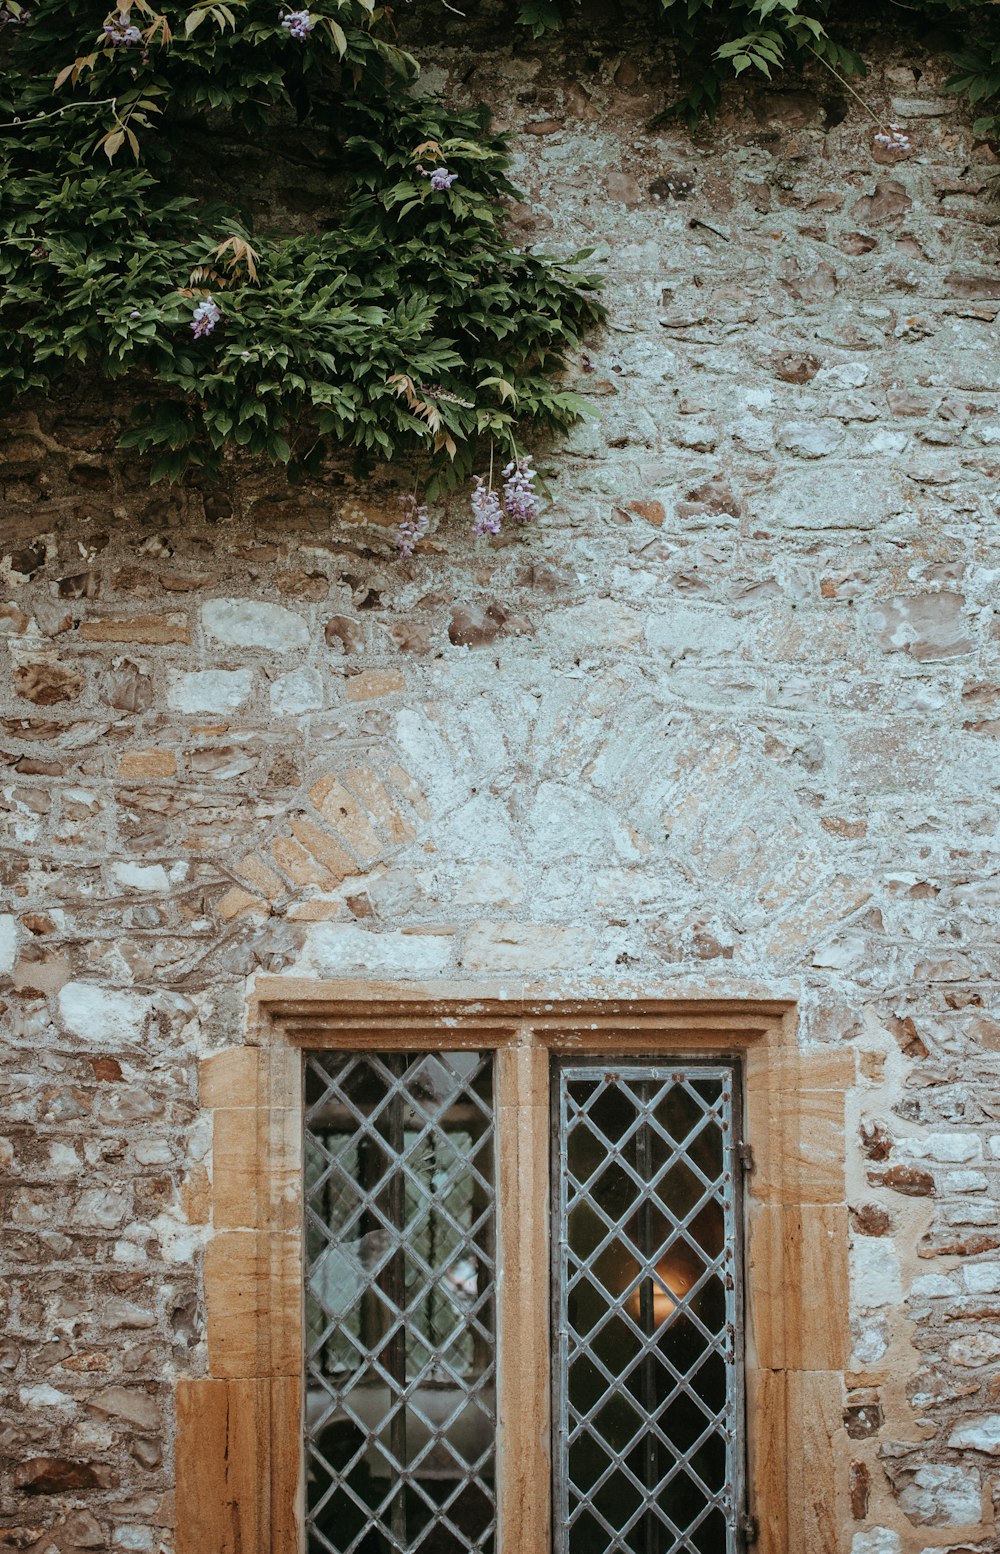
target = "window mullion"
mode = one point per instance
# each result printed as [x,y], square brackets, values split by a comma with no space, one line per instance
[524,1455]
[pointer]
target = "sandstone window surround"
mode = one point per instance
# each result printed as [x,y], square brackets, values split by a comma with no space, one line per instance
[239,1444]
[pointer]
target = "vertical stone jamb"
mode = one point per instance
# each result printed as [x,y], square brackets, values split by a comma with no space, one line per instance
[240,1427]
[797,1282]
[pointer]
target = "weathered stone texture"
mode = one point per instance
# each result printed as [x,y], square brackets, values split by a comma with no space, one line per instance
[725,722]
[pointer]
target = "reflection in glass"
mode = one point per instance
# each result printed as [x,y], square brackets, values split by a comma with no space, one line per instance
[646,1307]
[400,1303]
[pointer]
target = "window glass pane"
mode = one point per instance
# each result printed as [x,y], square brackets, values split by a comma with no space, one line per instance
[646,1396]
[400,1250]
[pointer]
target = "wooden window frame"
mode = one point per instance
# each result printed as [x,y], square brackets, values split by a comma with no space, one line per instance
[239,1427]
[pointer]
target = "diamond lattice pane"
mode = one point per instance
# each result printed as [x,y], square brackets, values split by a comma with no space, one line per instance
[647,1395]
[400,1297]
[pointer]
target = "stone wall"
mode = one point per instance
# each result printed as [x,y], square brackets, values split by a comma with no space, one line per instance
[724,723]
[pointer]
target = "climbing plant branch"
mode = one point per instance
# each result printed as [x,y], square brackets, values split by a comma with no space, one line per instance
[242,338]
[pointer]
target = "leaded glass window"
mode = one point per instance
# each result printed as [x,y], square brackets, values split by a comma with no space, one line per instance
[647,1402]
[402,1291]
[400,1365]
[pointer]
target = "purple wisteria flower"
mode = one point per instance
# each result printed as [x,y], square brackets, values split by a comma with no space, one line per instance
[120,30]
[486,508]
[205,317]
[413,526]
[440,178]
[893,139]
[520,499]
[298,24]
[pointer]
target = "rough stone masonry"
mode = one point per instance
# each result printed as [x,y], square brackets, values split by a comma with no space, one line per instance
[725,722]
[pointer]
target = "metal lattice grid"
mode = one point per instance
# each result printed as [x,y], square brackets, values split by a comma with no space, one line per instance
[648,1400]
[400,1303]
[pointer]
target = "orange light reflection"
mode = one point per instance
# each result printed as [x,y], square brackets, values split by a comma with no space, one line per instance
[671,1282]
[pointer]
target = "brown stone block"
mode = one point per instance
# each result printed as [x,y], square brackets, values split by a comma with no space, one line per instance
[653,512]
[370,684]
[860,1489]
[253,1297]
[338,863]
[256,1169]
[791,1068]
[140,764]
[240,903]
[299,865]
[798,1139]
[133,1404]
[59,1476]
[797,1283]
[840,825]
[15,618]
[379,805]
[154,629]
[346,631]
[238,1466]
[797,1486]
[315,911]
[251,1076]
[186,582]
[256,873]
[236,1077]
[196,1196]
[343,811]
[45,683]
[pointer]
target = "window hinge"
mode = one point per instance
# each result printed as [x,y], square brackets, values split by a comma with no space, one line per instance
[745,1152]
[749,1528]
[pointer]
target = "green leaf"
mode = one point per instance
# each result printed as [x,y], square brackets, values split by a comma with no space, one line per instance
[337,34]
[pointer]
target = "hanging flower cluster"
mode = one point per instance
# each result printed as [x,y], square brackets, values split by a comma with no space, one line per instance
[413,526]
[517,501]
[486,508]
[121,31]
[440,178]
[298,24]
[893,140]
[205,317]
[520,499]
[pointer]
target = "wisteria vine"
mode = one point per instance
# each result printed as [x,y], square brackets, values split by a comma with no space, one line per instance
[408,329]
